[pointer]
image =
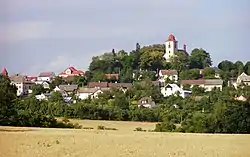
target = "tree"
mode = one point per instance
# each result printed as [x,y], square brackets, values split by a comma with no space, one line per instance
[190,74]
[180,61]
[79,80]
[209,73]
[200,59]
[56,97]
[98,76]
[197,90]
[7,96]
[239,67]
[37,89]
[152,57]
[247,68]
[226,66]
[56,82]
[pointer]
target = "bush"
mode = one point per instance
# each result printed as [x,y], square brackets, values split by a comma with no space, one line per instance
[111,129]
[101,127]
[139,129]
[165,127]
[87,128]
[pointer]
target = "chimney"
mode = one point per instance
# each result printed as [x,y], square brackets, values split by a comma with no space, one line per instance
[185,47]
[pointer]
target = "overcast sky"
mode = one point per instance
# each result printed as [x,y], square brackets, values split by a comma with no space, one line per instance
[50,35]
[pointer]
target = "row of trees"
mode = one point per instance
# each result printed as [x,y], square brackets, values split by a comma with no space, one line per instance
[216,112]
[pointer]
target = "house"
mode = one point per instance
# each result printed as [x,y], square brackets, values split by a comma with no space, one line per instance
[208,84]
[97,84]
[63,93]
[23,85]
[123,86]
[242,98]
[31,78]
[168,74]
[69,89]
[171,48]
[46,76]
[243,79]
[174,89]
[71,71]
[146,102]
[85,93]
[45,84]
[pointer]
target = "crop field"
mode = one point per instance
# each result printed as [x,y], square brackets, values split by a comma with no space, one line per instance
[123,142]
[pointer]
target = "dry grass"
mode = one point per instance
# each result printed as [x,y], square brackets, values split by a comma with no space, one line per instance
[40,142]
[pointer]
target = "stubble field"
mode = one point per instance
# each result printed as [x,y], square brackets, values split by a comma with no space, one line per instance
[42,142]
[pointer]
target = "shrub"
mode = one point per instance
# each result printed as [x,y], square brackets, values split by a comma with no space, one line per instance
[165,127]
[111,129]
[139,129]
[101,127]
[87,128]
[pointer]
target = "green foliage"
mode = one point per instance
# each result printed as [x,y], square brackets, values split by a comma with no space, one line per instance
[165,126]
[200,59]
[209,73]
[190,74]
[56,82]
[37,89]
[180,61]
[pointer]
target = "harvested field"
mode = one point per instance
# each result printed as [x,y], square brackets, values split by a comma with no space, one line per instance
[42,142]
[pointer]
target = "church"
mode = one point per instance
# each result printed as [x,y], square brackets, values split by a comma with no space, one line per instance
[172,47]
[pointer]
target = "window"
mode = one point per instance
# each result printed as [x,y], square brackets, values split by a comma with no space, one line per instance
[169,52]
[169,46]
[144,101]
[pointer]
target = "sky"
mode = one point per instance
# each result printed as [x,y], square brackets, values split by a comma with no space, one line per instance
[45,35]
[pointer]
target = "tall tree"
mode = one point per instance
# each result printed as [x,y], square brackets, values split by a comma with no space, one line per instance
[209,73]
[179,62]
[239,67]
[200,59]
[247,68]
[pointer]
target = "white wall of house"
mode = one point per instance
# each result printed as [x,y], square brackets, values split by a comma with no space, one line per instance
[211,87]
[163,78]
[44,79]
[173,89]
[23,88]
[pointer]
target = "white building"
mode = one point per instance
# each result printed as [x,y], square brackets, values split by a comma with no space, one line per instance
[208,84]
[243,79]
[85,93]
[173,89]
[168,74]
[46,76]
[23,86]
[171,47]
[146,102]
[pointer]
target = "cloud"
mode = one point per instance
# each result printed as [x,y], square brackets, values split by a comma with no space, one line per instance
[26,30]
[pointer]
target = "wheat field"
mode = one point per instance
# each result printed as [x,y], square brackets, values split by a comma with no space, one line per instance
[43,142]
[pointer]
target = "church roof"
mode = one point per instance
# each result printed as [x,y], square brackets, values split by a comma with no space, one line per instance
[5,72]
[171,38]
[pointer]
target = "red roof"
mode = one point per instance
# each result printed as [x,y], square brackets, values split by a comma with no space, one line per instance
[168,72]
[5,72]
[171,38]
[193,82]
[73,70]
[46,74]
[31,78]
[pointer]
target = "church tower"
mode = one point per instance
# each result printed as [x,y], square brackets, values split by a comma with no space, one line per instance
[171,47]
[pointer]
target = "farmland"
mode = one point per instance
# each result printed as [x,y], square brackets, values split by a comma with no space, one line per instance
[39,142]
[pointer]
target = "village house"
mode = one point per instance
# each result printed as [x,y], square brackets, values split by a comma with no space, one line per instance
[23,85]
[45,76]
[122,86]
[208,84]
[146,102]
[97,84]
[69,89]
[243,79]
[174,89]
[168,74]
[86,93]
[112,76]
[71,71]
